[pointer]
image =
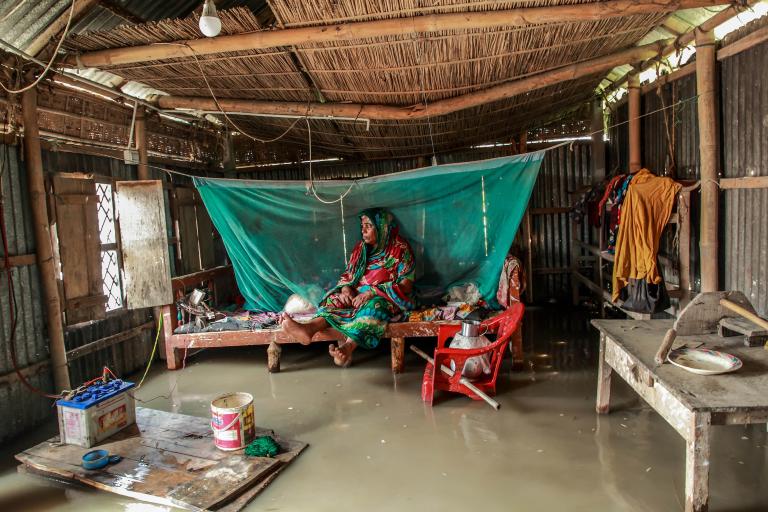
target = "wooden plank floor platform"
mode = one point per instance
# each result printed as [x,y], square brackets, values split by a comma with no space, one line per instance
[168,459]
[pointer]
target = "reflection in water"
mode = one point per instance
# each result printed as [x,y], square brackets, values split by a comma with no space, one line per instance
[544,450]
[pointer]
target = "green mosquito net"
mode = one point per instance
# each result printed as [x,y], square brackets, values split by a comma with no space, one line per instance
[460,220]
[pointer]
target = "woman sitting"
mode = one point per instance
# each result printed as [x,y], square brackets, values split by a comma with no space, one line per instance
[376,286]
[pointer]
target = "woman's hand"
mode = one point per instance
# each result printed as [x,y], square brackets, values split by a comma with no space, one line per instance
[361,299]
[346,297]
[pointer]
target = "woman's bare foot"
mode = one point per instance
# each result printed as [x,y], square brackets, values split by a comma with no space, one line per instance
[301,332]
[342,355]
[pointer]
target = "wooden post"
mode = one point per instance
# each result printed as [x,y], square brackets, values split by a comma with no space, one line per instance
[598,143]
[141,143]
[684,251]
[603,381]
[706,78]
[522,145]
[44,248]
[527,240]
[273,357]
[398,355]
[697,463]
[172,357]
[634,123]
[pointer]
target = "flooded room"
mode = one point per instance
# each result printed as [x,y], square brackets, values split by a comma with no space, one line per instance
[333,255]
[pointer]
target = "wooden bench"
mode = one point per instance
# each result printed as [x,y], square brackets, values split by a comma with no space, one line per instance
[177,344]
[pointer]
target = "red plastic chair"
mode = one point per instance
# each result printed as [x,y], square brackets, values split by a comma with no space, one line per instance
[503,325]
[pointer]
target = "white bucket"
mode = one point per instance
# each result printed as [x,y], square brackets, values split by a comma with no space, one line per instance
[232,421]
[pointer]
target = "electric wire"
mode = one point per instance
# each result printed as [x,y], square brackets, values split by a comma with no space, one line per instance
[223,112]
[53,57]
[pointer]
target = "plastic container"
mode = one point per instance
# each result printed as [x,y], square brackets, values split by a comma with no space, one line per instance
[232,421]
[99,412]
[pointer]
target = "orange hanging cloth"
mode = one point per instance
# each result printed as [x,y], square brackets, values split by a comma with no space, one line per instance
[644,213]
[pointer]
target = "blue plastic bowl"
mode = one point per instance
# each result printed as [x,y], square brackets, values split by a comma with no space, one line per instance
[96,459]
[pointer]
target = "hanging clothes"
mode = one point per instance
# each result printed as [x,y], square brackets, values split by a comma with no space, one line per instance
[511,282]
[645,211]
[617,199]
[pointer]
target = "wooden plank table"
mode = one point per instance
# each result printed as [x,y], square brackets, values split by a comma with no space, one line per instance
[168,459]
[690,403]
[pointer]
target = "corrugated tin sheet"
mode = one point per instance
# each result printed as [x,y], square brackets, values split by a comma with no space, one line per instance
[22,21]
[744,213]
[18,407]
[564,170]
[681,120]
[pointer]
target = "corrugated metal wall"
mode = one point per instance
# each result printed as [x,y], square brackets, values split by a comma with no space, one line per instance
[18,407]
[744,143]
[744,213]
[564,171]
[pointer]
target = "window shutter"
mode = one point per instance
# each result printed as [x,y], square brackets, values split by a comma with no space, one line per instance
[76,206]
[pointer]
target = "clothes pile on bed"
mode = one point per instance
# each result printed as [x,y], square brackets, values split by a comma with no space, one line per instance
[460,303]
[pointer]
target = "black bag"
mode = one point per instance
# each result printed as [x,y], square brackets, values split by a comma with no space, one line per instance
[641,296]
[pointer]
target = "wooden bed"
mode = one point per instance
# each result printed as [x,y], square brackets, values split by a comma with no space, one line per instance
[177,344]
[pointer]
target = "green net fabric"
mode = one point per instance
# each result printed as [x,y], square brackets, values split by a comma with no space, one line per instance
[460,220]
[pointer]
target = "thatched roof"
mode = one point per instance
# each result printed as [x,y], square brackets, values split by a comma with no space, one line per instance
[392,70]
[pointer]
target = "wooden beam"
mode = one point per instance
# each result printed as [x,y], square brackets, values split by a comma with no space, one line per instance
[382,28]
[709,153]
[745,43]
[742,183]
[635,151]
[437,108]
[45,263]
[21,260]
[28,372]
[108,341]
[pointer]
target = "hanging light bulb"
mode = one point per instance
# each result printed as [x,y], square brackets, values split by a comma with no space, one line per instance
[210,24]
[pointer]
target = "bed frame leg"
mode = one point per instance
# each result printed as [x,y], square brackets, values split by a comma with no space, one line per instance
[172,357]
[273,357]
[398,355]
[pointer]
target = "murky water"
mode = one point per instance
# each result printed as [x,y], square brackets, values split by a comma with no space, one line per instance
[375,447]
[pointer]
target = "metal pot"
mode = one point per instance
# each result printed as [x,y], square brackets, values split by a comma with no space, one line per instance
[196,297]
[470,328]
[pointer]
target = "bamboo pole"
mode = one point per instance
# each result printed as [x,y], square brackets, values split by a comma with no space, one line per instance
[441,107]
[382,28]
[44,250]
[706,77]
[634,123]
[140,131]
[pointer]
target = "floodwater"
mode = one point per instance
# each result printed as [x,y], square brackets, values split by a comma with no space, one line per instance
[374,446]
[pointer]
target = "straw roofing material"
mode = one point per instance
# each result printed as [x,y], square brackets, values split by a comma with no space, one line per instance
[387,70]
